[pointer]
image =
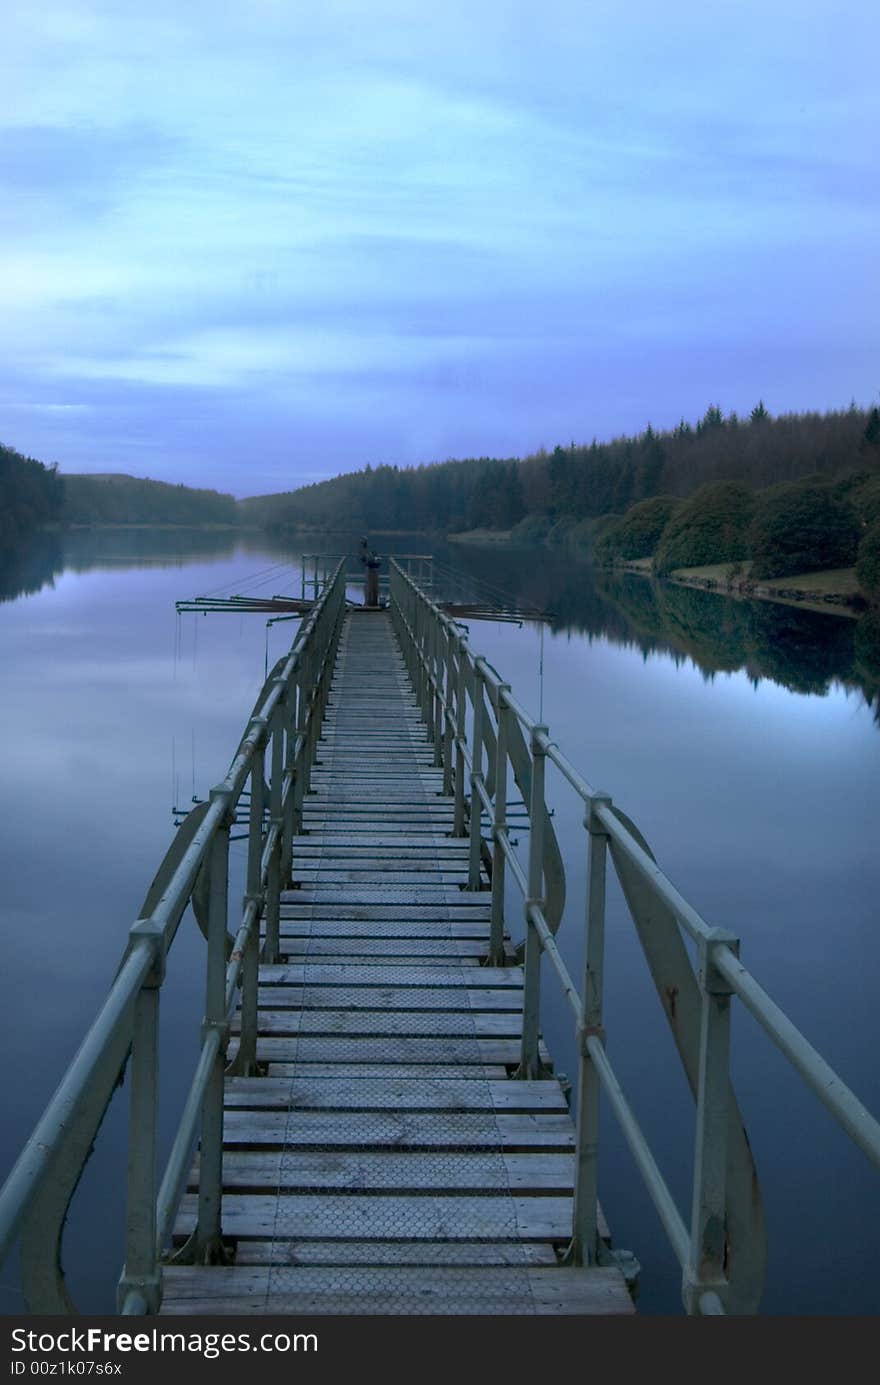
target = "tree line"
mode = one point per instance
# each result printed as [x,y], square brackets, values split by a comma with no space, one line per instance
[580,483]
[31,495]
[118,499]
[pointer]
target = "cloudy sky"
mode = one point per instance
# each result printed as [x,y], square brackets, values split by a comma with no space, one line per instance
[253,244]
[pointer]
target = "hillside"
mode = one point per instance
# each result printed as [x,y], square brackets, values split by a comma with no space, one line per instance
[113,498]
[580,482]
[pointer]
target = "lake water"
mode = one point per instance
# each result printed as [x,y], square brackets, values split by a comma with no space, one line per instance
[742,739]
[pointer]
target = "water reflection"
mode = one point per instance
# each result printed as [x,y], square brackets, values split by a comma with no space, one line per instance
[30,566]
[43,555]
[803,650]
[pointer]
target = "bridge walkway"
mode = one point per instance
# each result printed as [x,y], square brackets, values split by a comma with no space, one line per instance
[387,1162]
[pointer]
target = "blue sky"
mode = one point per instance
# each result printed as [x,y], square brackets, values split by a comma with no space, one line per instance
[257,244]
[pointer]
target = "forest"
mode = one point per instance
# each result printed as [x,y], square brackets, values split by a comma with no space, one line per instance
[580,483]
[118,499]
[31,495]
[572,495]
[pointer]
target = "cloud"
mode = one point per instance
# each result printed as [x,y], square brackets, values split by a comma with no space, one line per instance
[320,214]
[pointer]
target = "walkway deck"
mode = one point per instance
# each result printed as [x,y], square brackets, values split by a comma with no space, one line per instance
[387,1163]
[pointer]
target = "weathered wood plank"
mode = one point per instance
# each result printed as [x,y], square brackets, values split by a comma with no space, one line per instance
[390,1049]
[405,1173]
[350,949]
[466,1130]
[389,1071]
[523,1290]
[389,997]
[463,908]
[420,1254]
[385,930]
[353,1093]
[399,1217]
[416,974]
[400,1023]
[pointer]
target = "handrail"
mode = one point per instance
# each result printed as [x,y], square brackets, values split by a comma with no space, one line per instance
[478,726]
[34,1199]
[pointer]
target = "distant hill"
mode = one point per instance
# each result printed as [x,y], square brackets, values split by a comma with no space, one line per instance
[114,498]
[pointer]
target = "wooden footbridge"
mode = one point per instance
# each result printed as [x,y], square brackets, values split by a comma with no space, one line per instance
[373,1124]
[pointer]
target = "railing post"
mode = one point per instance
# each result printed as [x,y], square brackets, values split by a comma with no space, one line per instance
[706,1273]
[315,704]
[584,1246]
[245,1063]
[208,1247]
[448,722]
[424,682]
[140,1286]
[477,777]
[530,1061]
[310,672]
[499,825]
[288,711]
[298,753]
[458,829]
[416,626]
[437,663]
[271,946]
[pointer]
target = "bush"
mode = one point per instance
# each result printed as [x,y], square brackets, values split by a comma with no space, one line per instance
[582,535]
[531,529]
[864,496]
[605,546]
[637,534]
[867,642]
[868,563]
[802,528]
[709,527]
[558,535]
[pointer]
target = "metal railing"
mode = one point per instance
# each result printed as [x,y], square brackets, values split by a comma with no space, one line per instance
[480,733]
[282,730]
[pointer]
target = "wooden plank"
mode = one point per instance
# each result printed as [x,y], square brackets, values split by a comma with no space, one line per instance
[377,956]
[446,853]
[450,1289]
[414,975]
[353,1093]
[463,908]
[404,1173]
[389,997]
[388,1071]
[390,1049]
[385,930]
[351,949]
[551,1131]
[336,873]
[377,1023]
[380,1023]
[423,1255]
[401,1217]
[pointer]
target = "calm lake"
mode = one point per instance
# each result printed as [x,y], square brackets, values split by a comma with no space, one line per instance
[742,739]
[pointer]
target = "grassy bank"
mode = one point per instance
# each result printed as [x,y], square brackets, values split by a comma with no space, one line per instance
[486,538]
[836,589]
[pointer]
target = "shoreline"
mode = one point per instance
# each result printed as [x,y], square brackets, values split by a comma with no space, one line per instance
[834,592]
